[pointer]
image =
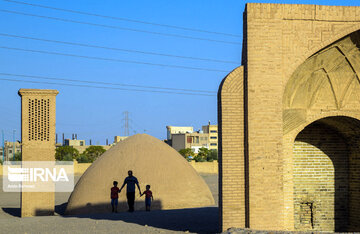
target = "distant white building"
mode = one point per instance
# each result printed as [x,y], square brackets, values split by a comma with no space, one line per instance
[177,130]
[185,137]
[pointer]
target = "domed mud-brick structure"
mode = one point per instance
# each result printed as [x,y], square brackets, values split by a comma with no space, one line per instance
[174,183]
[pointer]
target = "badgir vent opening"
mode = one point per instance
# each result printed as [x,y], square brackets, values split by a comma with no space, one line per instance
[290,121]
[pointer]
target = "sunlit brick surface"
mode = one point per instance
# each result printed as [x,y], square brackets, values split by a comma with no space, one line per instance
[300,64]
[38,143]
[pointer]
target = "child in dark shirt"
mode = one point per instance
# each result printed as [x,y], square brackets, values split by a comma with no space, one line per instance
[114,196]
[148,197]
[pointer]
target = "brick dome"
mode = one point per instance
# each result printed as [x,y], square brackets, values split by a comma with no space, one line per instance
[174,183]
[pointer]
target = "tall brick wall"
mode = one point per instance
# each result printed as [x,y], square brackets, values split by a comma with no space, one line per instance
[354,183]
[278,39]
[231,151]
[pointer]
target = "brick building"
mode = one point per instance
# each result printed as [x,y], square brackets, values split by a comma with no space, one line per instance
[194,141]
[185,137]
[74,142]
[289,121]
[212,131]
[81,146]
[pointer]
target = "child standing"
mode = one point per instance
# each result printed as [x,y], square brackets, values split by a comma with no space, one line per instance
[148,197]
[114,196]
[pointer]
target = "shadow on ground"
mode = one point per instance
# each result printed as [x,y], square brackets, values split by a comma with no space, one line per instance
[199,220]
[16,212]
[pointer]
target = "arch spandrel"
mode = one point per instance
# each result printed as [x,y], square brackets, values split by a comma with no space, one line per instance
[326,81]
[341,32]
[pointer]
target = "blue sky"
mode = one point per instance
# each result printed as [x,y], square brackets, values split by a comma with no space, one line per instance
[97,114]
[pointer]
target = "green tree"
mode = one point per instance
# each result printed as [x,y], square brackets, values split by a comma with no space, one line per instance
[82,159]
[16,157]
[198,158]
[93,152]
[202,155]
[66,153]
[186,153]
[213,155]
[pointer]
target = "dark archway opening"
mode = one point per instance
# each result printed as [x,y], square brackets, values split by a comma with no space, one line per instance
[326,170]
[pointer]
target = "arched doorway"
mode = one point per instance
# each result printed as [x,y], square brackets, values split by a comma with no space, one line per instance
[321,145]
[326,163]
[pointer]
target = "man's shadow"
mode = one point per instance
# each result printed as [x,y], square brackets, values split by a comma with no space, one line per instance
[199,220]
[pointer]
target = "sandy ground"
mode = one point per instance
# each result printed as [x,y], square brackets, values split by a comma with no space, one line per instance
[198,220]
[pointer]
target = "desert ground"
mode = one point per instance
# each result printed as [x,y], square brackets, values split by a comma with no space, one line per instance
[197,220]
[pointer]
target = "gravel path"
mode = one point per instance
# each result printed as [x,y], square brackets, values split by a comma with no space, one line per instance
[198,220]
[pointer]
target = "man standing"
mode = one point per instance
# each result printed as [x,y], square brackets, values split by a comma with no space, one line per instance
[130,181]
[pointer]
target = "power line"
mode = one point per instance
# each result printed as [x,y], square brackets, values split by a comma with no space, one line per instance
[111,59]
[124,19]
[140,128]
[103,87]
[116,49]
[117,27]
[103,83]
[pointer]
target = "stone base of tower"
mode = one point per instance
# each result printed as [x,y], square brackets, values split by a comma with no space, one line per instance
[37,204]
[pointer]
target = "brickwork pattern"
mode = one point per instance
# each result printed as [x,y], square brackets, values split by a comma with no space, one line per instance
[38,143]
[231,151]
[321,185]
[264,90]
[328,79]
[278,38]
[354,183]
